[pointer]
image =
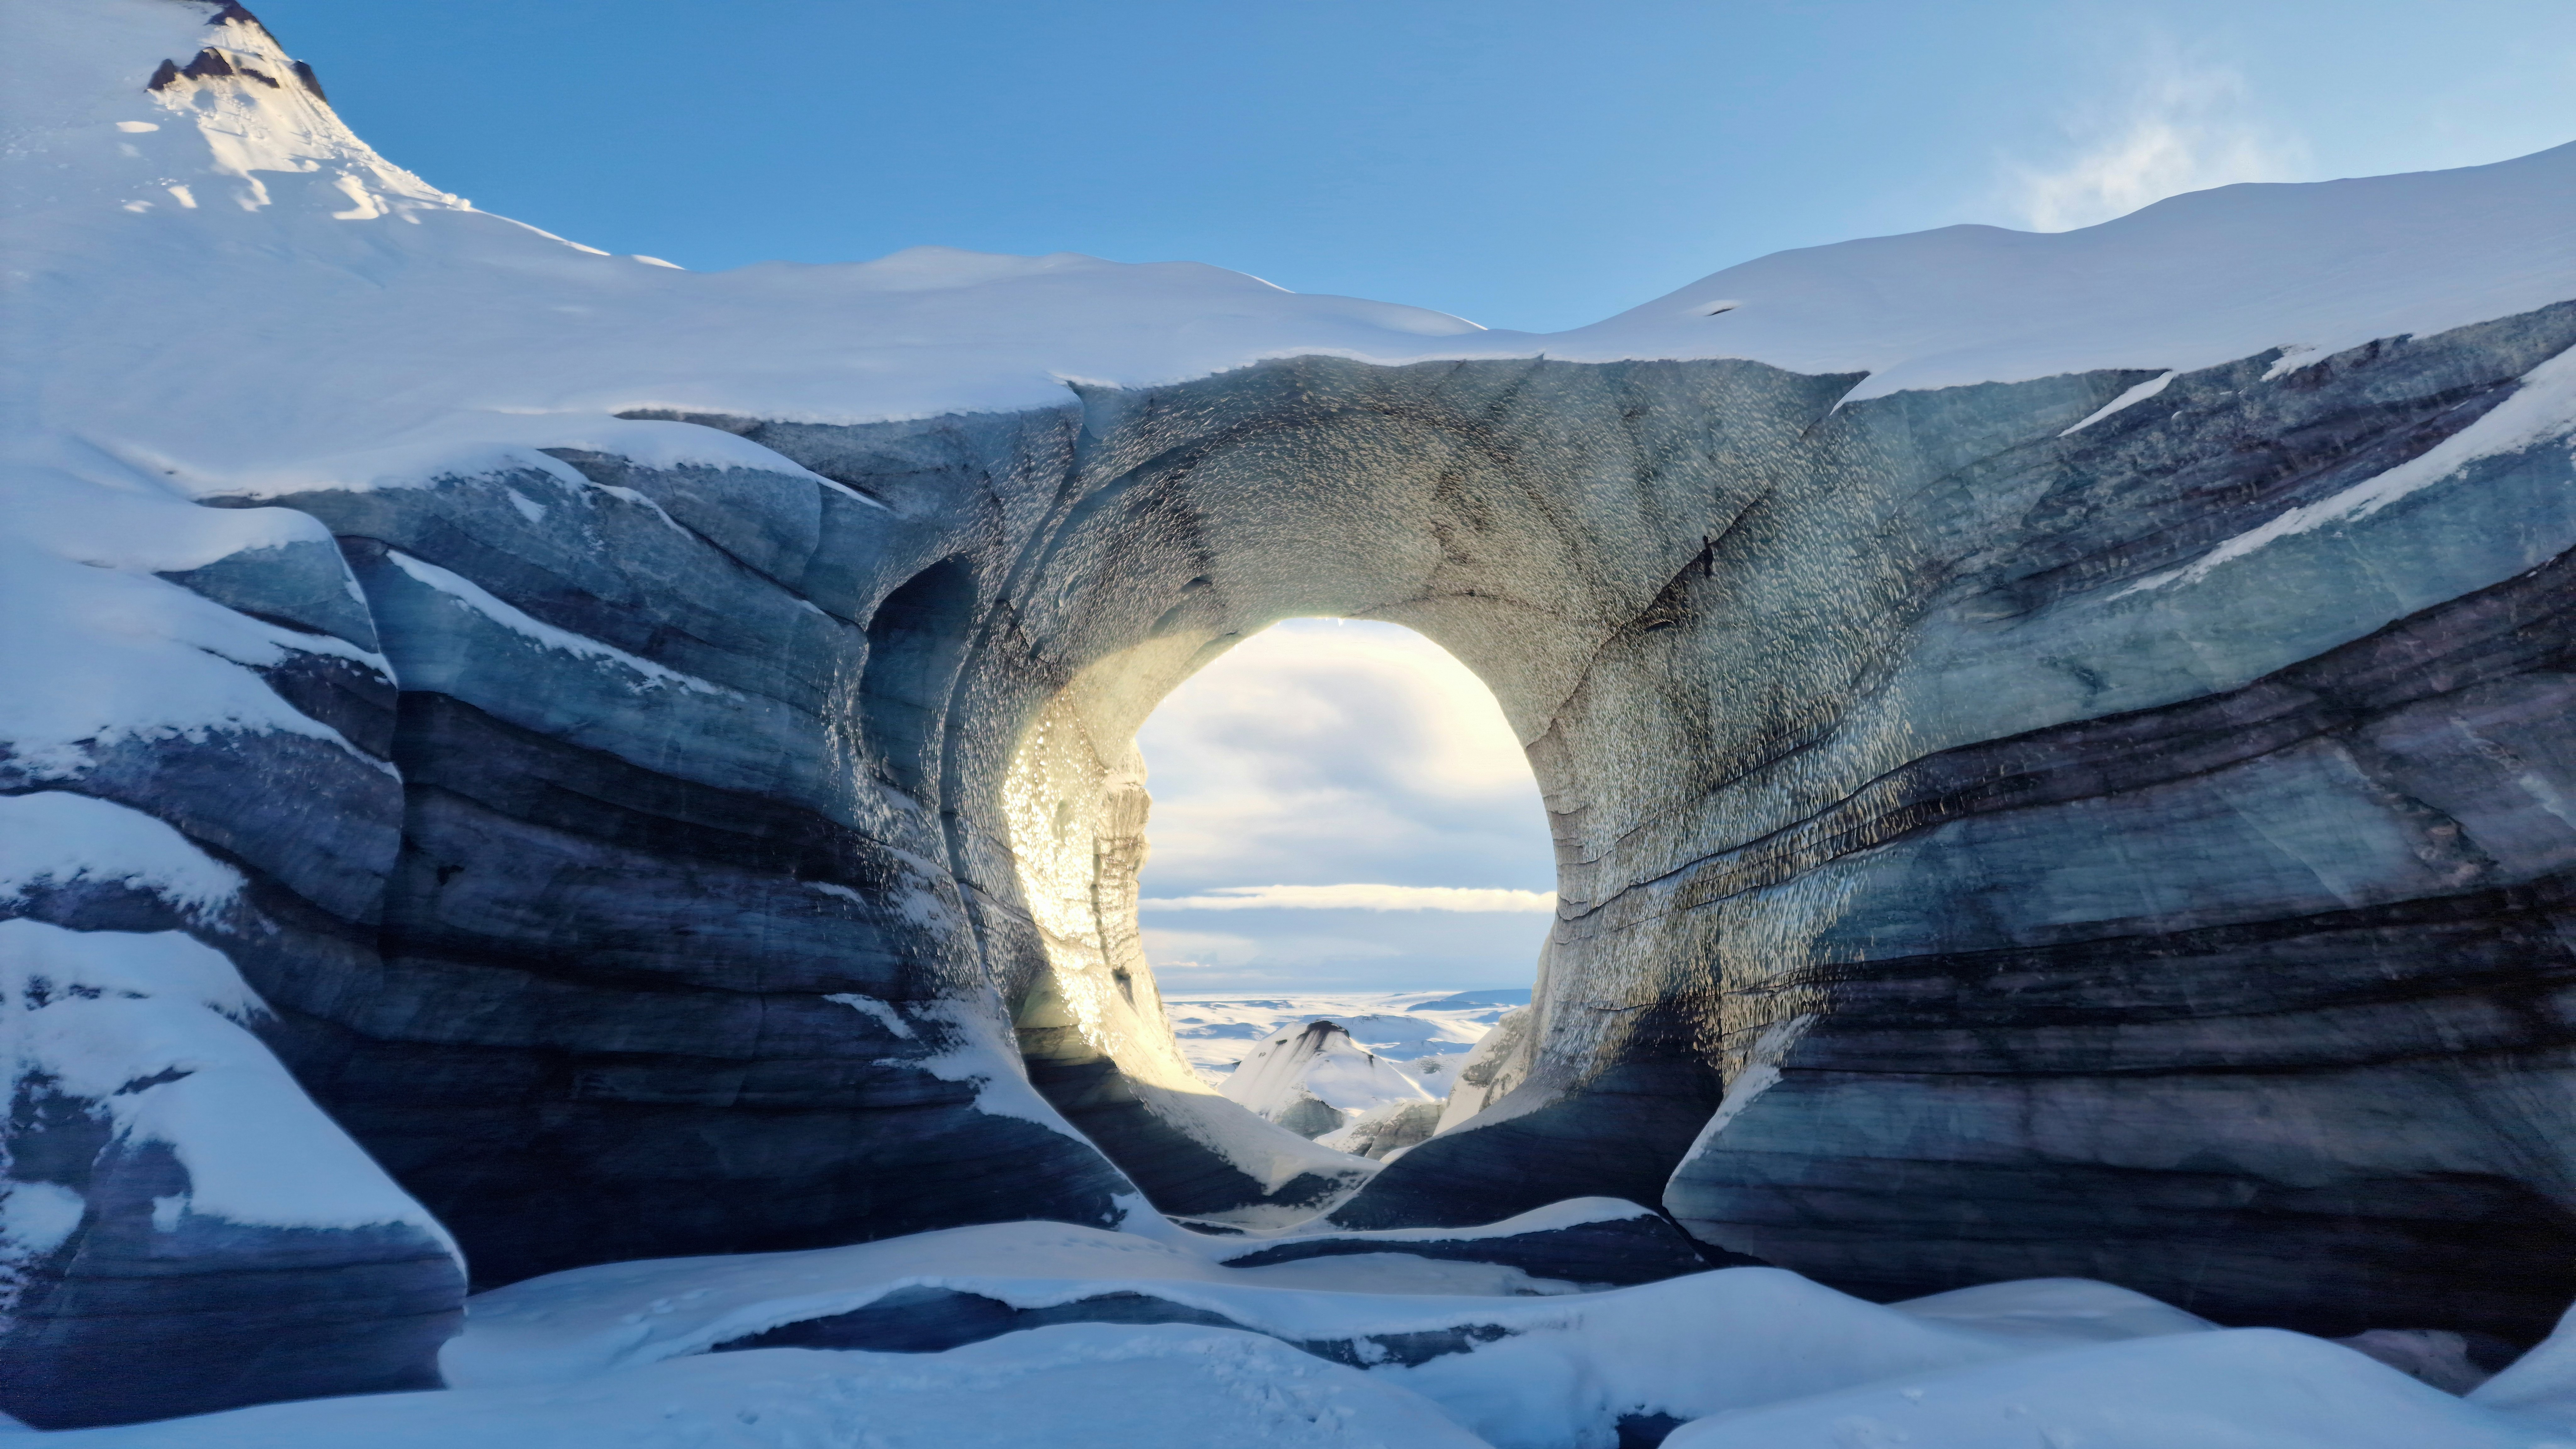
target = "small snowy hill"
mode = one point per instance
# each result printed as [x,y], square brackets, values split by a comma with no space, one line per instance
[1310,1080]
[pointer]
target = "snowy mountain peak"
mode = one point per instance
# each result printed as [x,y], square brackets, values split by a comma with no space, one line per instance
[212,64]
[177,106]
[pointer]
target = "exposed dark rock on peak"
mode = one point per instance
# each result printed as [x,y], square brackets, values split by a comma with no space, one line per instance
[210,64]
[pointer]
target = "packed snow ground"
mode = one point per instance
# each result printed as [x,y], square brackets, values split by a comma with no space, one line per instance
[626,1355]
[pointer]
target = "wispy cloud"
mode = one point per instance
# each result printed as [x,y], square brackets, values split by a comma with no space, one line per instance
[1198,950]
[2179,125]
[1318,752]
[1355,898]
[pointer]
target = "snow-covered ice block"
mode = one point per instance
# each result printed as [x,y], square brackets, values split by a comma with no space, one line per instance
[2541,1384]
[171,1196]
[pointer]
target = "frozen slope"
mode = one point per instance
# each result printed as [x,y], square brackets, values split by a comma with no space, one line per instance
[2189,282]
[2085,798]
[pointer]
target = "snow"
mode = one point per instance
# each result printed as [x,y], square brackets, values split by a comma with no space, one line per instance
[596,1320]
[100,650]
[1077,1386]
[1317,1063]
[2188,282]
[617,1355]
[2241,1389]
[148,1027]
[978,1045]
[1574,1212]
[1405,1273]
[1394,1049]
[2130,398]
[217,291]
[417,329]
[1425,1033]
[60,839]
[2544,406]
[881,1012]
[2541,1384]
[1492,1068]
[1549,1370]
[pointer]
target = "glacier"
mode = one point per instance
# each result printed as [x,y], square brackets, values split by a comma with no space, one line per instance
[541,791]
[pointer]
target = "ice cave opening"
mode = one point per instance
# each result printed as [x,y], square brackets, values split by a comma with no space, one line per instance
[1349,880]
[1339,886]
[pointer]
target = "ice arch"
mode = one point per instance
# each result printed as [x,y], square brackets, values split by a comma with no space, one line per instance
[1960,873]
[1848,716]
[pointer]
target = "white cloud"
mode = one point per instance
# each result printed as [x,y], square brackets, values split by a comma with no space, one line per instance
[1318,752]
[2179,126]
[1296,954]
[1197,950]
[1355,898]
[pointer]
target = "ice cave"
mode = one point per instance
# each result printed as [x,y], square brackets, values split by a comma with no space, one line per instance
[569,828]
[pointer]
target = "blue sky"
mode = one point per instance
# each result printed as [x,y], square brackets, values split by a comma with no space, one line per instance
[1532,165]
[1522,164]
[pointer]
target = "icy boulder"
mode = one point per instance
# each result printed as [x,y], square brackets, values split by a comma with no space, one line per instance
[1384,1130]
[1493,1067]
[1315,1079]
[172,1199]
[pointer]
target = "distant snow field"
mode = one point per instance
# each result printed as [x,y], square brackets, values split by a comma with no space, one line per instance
[1422,1034]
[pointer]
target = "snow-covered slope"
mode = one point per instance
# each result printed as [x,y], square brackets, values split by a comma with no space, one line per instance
[2195,280]
[251,238]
